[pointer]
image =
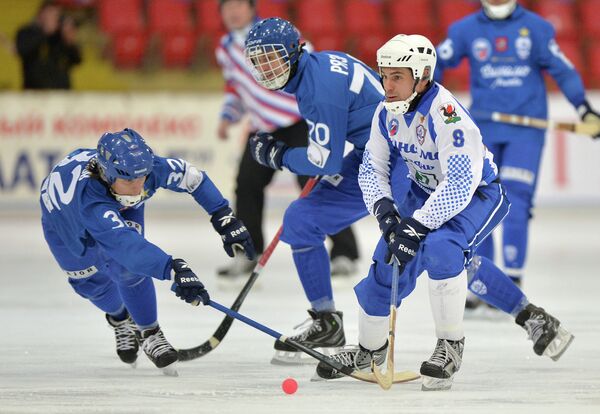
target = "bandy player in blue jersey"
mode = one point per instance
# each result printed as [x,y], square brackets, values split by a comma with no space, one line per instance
[337,96]
[508,49]
[454,201]
[93,220]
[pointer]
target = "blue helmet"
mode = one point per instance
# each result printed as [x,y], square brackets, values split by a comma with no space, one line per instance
[125,155]
[273,49]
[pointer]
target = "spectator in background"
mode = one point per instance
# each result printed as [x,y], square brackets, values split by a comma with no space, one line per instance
[274,112]
[48,49]
[509,48]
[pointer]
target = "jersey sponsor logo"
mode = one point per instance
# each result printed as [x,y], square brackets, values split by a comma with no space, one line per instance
[481,49]
[422,165]
[421,134]
[520,71]
[448,112]
[523,46]
[501,44]
[393,126]
[427,180]
[317,154]
[338,64]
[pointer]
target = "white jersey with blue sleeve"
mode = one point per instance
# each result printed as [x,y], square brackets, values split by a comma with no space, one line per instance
[442,148]
[84,214]
[337,95]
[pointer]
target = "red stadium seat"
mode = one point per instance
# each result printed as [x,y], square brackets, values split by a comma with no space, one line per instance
[208,18]
[273,8]
[363,16]
[594,66]
[128,49]
[317,17]
[177,49]
[589,11]
[327,41]
[457,78]
[169,16]
[572,50]
[449,11]
[120,16]
[366,47]
[418,21]
[561,13]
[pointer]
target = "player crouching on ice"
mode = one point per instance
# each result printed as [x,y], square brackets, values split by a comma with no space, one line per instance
[454,202]
[93,221]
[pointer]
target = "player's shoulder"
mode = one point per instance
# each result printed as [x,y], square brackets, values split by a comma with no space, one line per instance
[446,110]
[330,73]
[464,25]
[535,22]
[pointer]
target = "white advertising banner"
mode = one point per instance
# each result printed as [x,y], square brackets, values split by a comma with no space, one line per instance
[39,129]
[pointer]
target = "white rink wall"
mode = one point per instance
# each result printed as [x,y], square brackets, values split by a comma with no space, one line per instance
[39,129]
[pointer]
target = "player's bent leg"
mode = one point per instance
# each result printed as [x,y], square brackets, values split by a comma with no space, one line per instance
[158,349]
[125,337]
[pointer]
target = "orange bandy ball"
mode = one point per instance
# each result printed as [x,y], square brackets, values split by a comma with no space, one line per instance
[289,385]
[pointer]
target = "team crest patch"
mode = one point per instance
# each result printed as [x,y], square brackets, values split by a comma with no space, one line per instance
[448,111]
[421,134]
[501,44]
[393,126]
[481,49]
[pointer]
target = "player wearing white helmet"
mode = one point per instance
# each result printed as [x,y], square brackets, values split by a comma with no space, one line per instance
[454,202]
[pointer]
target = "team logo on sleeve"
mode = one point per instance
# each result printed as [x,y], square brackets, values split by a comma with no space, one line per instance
[448,112]
[393,126]
[421,134]
[481,49]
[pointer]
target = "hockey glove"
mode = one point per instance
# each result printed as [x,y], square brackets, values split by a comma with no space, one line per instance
[186,284]
[588,115]
[267,150]
[403,236]
[233,233]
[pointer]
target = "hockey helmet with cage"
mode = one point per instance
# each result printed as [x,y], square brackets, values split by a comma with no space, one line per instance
[125,155]
[272,50]
[498,11]
[414,52]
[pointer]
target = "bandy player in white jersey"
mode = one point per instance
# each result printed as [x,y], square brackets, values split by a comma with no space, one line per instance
[454,202]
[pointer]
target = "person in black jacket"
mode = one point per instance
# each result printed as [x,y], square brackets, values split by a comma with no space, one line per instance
[48,49]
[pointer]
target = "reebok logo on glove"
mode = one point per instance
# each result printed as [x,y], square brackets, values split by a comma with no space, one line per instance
[413,233]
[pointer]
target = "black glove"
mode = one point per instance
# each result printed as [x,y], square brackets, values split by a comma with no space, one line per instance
[267,150]
[186,284]
[587,114]
[233,233]
[403,236]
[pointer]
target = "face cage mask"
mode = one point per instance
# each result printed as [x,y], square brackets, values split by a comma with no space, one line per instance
[128,200]
[271,65]
[499,12]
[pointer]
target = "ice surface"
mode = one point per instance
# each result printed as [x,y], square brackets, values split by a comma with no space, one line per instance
[57,352]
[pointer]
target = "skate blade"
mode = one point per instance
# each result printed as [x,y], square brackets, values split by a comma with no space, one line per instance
[300,358]
[559,344]
[399,377]
[132,365]
[436,384]
[170,370]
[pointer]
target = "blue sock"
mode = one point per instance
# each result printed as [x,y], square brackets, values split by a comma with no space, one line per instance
[312,264]
[120,315]
[140,299]
[491,285]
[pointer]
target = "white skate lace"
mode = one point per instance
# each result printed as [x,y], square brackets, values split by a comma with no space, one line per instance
[535,328]
[440,354]
[353,356]
[156,345]
[125,335]
[310,325]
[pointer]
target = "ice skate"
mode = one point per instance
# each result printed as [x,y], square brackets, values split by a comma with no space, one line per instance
[354,356]
[159,350]
[342,267]
[323,331]
[438,372]
[236,273]
[548,336]
[125,336]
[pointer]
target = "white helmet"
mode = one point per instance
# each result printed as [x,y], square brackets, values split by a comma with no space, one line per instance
[415,52]
[500,11]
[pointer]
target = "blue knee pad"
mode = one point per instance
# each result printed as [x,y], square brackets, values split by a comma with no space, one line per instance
[442,257]
[100,290]
[298,228]
[491,285]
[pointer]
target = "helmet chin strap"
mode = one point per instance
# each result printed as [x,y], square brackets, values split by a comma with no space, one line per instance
[128,200]
[402,107]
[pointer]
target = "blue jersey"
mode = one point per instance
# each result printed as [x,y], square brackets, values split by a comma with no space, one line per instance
[507,59]
[83,213]
[337,96]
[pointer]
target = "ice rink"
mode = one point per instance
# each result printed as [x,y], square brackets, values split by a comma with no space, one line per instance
[57,352]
